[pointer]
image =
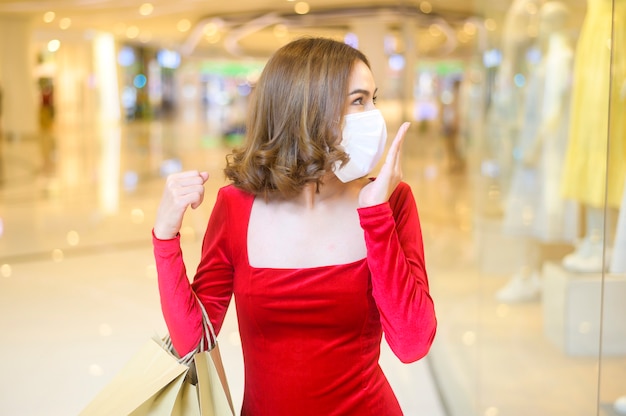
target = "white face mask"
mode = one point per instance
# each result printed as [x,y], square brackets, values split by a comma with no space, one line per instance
[363,138]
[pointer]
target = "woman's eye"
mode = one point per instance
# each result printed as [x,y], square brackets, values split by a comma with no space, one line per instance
[358,101]
[375,99]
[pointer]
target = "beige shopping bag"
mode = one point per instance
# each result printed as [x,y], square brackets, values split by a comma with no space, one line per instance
[165,401]
[156,382]
[187,402]
[215,399]
[144,376]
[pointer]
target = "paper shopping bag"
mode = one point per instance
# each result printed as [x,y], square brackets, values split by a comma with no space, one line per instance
[187,402]
[157,382]
[151,370]
[165,401]
[213,390]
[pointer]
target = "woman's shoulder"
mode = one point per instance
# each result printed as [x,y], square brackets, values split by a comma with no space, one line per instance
[234,200]
[230,192]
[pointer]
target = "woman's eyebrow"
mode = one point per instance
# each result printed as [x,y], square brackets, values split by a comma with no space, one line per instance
[362,91]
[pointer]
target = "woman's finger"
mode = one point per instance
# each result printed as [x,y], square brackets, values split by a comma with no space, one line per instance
[189,178]
[396,145]
[187,189]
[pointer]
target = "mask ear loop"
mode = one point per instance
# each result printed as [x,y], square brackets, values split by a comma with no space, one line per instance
[337,133]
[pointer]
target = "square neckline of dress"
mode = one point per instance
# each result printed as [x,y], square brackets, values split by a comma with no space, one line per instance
[248,213]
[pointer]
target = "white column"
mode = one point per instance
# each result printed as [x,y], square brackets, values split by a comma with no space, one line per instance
[371,32]
[109,115]
[105,70]
[74,96]
[19,93]
[410,60]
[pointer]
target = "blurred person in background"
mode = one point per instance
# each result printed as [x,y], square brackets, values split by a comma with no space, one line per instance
[451,127]
[46,122]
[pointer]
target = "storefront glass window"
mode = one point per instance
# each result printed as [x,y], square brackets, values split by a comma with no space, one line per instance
[535,324]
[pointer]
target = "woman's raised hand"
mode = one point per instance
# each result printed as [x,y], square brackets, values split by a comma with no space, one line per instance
[182,190]
[379,190]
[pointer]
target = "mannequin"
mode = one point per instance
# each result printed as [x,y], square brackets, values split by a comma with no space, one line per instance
[593,134]
[534,209]
[504,114]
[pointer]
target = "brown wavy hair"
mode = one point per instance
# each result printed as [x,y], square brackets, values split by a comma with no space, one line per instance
[295,117]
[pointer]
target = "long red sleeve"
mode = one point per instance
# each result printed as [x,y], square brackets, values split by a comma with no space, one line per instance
[178,302]
[395,256]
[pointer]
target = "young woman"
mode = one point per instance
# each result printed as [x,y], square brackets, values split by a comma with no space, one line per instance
[320,259]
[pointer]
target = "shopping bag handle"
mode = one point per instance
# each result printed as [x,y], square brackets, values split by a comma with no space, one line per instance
[209,339]
[207,342]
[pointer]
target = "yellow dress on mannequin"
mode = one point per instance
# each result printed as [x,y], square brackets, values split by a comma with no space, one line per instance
[585,170]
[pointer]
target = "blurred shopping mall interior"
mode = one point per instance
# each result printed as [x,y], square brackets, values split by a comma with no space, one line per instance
[516,155]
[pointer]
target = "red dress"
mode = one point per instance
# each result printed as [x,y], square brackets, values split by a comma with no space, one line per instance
[310,337]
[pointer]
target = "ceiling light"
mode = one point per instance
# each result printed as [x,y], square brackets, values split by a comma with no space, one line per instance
[490,24]
[132,32]
[302,7]
[57,255]
[214,38]
[426,7]
[146,9]
[210,29]
[280,30]
[183,25]
[48,17]
[54,45]
[65,23]
[469,28]
[73,238]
